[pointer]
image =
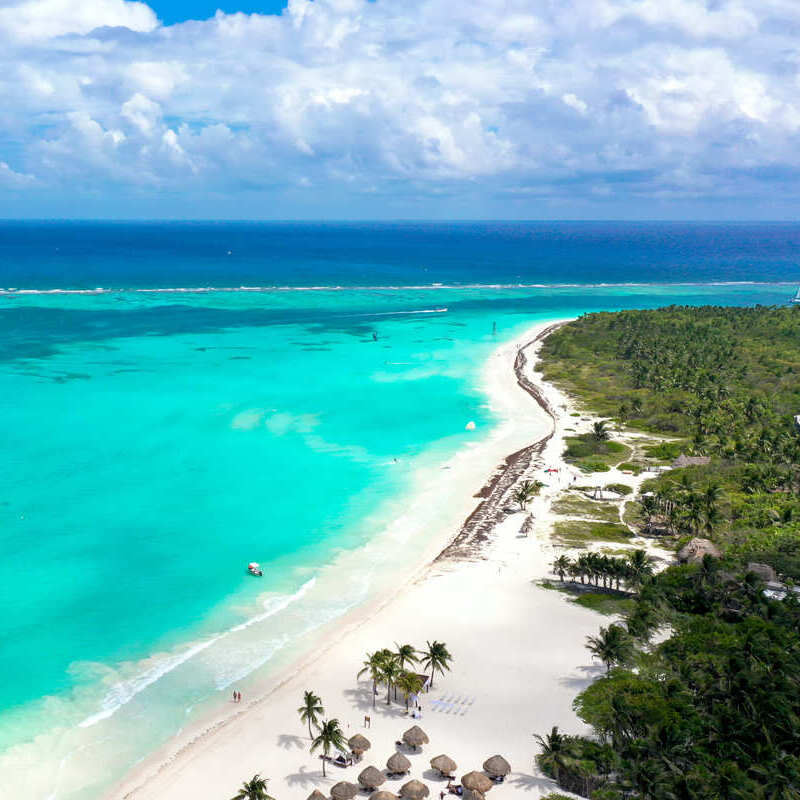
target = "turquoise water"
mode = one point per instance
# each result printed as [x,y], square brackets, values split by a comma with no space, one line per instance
[154,443]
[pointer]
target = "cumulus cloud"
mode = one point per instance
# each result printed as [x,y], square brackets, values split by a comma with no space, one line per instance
[594,98]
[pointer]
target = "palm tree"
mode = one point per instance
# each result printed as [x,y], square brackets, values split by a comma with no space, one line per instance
[409,684]
[406,654]
[390,672]
[561,565]
[600,432]
[255,789]
[555,756]
[436,657]
[525,492]
[330,736]
[612,645]
[311,711]
[640,566]
[373,664]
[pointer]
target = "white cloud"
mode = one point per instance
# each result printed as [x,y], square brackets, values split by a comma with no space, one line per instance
[42,19]
[595,96]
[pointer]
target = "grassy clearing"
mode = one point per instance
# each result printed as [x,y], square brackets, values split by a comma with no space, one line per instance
[586,448]
[573,506]
[580,534]
[631,466]
[619,488]
[607,604]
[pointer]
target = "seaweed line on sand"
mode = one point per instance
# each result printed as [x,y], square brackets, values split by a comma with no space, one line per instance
[476,530]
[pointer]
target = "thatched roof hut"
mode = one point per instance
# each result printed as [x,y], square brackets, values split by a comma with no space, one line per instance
[444,764]
[497,767]
[414,790]
[398,764]
[344,790]
[359,744]
[476,781]
[382,795]
[415,737]
[317,795]
[695,549]
[371,778]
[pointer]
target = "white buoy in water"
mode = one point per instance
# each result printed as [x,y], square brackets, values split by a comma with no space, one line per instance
[470,426]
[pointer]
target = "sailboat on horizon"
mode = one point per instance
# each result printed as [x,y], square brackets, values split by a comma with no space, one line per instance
[796,298]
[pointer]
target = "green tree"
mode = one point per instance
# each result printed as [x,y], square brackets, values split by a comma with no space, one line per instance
[612,646]
[561,566]
[640,567]
[406,654]
[329,737]
[525,492]
[373,666]
[390,672]
[437,658]
[554,757]
[409,684]
[600,432]
[254,789]
[311,712]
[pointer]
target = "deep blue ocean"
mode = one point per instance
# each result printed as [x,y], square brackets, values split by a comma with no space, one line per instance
[181,398]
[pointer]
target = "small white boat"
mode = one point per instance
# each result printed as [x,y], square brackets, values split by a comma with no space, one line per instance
[796,298]
[254,568]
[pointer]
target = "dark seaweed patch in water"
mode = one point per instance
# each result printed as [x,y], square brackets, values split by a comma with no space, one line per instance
[71,376]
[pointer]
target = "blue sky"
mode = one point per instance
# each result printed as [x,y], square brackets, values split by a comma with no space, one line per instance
[578,109]
[172,11]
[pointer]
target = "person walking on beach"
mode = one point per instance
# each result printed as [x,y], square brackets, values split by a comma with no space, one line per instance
[234,695]
[367,721]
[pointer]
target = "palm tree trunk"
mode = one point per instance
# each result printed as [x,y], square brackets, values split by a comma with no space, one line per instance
[309,729]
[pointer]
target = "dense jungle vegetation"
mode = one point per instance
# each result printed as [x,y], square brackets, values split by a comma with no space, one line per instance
[713,709]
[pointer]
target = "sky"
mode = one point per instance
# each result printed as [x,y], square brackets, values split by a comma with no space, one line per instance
[400,109]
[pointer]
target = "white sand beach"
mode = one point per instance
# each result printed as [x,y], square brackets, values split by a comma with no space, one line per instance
[519,655]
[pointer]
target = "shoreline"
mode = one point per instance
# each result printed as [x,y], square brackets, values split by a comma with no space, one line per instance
[504,369]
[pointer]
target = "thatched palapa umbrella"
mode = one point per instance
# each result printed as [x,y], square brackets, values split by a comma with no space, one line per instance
[317,795]
[497,767]
[444,764]
[415,737]
[371,778]
[414,790]
[473,794]
[398,764]
[344,791]
[382,795]
[358,744]
[476,781]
